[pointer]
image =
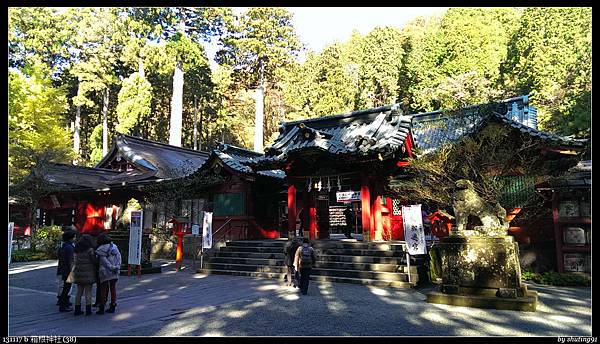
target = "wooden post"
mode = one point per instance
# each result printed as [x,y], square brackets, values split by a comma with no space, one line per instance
[312,215]
[560,265]
[378,230]
[291,208]
[365,199]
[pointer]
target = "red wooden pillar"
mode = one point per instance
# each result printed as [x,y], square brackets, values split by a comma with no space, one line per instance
[378,221]
[365,205]
[292,209]
[312,215]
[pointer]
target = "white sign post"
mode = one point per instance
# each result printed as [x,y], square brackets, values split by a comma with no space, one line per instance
[135,240]
[11,227]
[414,236]
[195,233]
[206,233]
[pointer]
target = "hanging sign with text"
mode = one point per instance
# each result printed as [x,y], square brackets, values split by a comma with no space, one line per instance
[135,238]
[413,229]
[207,230]
[347,196]
[11,227]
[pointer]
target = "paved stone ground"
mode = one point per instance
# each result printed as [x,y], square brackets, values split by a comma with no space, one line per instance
[185,304]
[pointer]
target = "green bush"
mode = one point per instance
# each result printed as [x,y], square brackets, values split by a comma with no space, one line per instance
[48,239]
[558,279]
[28,255]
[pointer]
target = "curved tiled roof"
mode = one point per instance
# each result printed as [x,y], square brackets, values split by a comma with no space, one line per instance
[168,161]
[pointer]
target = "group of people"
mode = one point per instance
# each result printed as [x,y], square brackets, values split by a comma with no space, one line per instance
[299,259]
[85,263]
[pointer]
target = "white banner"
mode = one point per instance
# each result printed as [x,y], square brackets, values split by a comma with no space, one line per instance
[347,196]
[413,229]
[207,230]
[11,227]
[135,237]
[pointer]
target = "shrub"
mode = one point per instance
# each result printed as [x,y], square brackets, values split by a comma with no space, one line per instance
[49,239]
[28,255]
[558,279]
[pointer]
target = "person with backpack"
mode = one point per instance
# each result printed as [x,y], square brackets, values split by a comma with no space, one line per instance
[108,272]
[65,263]
[289,251]
[304,259]
[84,273]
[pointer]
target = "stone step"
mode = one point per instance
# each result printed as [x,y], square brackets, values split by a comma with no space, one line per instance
[258,255]
[257,249]
[323,244]
[319,264]
[279,276]
[257,243]
[359,252]
[388,276]
[362,259]
[371,275]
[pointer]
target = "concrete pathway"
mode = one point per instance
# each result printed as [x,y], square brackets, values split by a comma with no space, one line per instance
[185,304]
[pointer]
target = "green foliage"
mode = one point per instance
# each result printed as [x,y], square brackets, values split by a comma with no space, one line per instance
[35,121]
[49,239]
[135,99]
[96,145]
[558,279]
[29,255]
[550,54]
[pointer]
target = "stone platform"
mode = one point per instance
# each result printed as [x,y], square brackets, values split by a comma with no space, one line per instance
[482,272]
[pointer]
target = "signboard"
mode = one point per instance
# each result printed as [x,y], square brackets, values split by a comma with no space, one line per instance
[336,216]
[11,226]
[347,196]
[207,230]
[135,238]
[195,230]
[413,229]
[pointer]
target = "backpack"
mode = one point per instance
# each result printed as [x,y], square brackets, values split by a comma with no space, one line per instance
[305,256]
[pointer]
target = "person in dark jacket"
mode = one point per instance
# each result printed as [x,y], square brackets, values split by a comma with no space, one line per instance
[289,251]
[303,261]
[109,259]
[65,263]
[84,273]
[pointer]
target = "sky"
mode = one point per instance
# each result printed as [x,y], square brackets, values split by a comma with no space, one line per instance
[320,26]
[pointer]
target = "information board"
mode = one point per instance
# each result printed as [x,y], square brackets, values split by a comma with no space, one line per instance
[135,238]
[195,229]
[336,216]
[414,234]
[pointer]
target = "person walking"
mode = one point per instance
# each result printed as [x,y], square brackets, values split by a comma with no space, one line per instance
[303,262]
[109,259]
[289,251]
[65,263]
[348,213]
[84,274]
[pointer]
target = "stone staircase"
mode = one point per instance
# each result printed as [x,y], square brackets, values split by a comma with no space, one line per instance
[381,264]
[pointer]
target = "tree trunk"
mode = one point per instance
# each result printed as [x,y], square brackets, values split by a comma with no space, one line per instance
[195,125]
[176,106]
[259,119]
[105,123]
[76,139]
[259,114]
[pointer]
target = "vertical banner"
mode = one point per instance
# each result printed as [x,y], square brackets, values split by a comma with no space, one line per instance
[11,227]
[135,238]
[413,229]
[207,230]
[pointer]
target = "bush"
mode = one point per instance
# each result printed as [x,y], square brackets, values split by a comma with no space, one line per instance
[48,239]
[28,255]
[558,279]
